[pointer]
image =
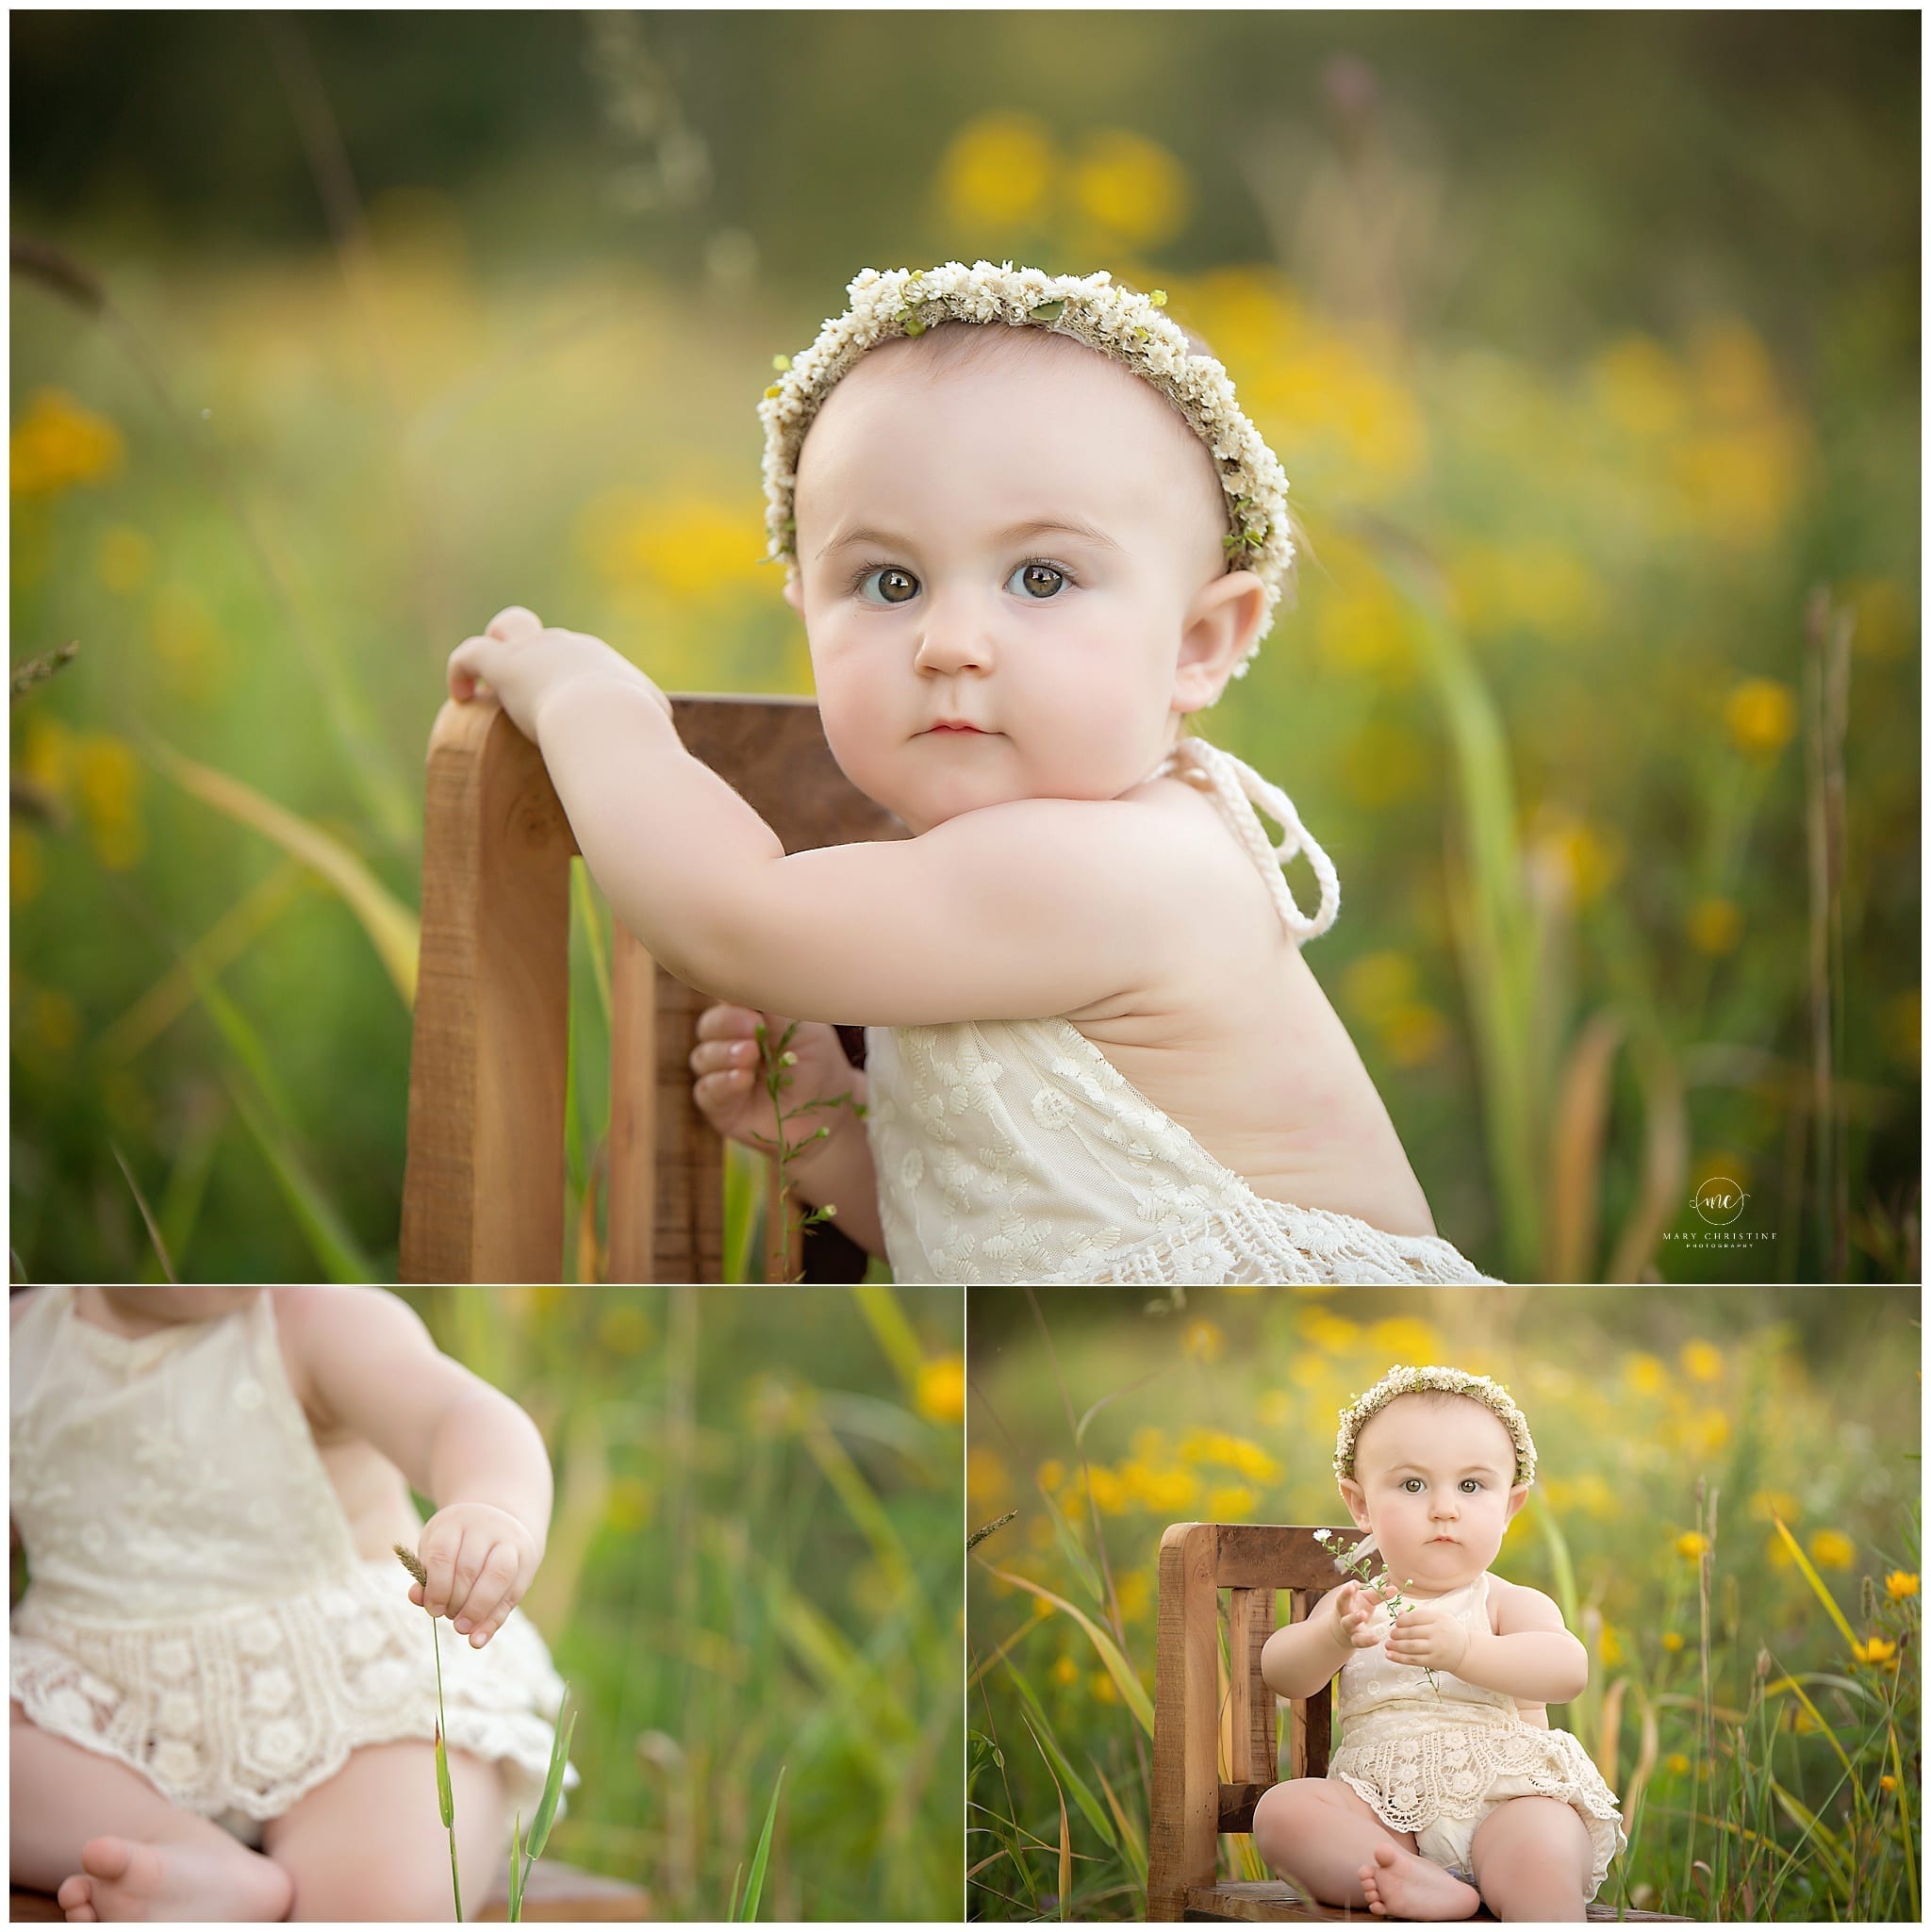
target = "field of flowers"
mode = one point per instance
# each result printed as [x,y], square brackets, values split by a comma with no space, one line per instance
[753,1571]
[1602,690]
[1726,1508]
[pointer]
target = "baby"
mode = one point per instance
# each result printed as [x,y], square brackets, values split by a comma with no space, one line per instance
[1029,534]
[223,1703]
[1449,1791]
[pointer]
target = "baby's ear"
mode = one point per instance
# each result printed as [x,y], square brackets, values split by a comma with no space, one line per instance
[1214,637]
[1357,1500]
[794,593]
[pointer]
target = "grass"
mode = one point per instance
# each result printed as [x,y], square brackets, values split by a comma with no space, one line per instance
[752,1575]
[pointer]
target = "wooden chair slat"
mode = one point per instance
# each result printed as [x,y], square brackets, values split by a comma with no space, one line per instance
[482,1188]
[1250,1623]
[483,1192]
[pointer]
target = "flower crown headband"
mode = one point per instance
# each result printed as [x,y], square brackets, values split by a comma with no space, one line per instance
[1127,326]
[1448,1382]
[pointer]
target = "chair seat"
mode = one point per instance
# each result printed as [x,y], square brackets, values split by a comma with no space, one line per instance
[556,1894]
[1271,1901]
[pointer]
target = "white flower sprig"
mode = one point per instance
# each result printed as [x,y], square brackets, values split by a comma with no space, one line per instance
[1120,322]
[1355,1563]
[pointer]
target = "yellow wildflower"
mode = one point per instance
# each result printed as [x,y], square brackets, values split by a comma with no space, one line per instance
[1875,1649]
[1644,1373]
[1762,715]
[1204,1341]
[1104,1689]
[1230,1504]
[1064,1670]
[58,444]
[1901,1583]
[998,170]
[1831,1549]
[1676,1763]
[1691,1544]
[941,1392]
[1671,1641]
[986,1481]
[1701,1362]
[1131,187]
[1887,1783]
[1715,925]
[1052,1473]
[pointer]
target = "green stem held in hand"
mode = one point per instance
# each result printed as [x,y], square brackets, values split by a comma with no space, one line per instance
[445,1795]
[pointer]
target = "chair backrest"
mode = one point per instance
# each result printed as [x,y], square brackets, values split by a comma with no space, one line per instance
[483,1192]
[1194,1733]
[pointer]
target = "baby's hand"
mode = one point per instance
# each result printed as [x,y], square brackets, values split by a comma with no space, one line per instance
[1358,1611]
[729,1089]
[523,662]
[479,1561]
[1430,1637]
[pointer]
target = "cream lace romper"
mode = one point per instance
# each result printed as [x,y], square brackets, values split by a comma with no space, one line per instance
[1438,1765]
[1015,1150]
[197,1607]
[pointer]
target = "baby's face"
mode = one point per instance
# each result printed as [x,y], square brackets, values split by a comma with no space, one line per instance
[1435,1481]
[1073,651]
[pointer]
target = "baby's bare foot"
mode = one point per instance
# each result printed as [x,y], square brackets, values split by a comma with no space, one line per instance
[1399,1885]
[122,1879]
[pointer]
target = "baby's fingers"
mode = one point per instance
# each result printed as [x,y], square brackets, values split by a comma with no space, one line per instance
[468,665]
[491,1598]
[506,623]
[722,1021]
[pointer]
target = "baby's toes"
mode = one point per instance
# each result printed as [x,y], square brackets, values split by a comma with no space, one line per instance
[73,1892]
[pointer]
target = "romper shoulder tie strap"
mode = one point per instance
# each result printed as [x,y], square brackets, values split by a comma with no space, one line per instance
[1237,789]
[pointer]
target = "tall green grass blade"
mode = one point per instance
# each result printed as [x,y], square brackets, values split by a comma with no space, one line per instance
[754,1885]
[1132,1692]
[1816,1583]
[516,1871]
[1049,1743]
[1904,1812]
[887,1322]
[552,1782]
[154,1233]
[327,1234]
[393,929]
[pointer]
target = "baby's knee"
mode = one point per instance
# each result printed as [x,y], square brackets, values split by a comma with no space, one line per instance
[1286,1813]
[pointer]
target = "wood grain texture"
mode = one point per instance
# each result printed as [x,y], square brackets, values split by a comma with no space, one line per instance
[1249,1624]
[1185,1805]
[483,1183]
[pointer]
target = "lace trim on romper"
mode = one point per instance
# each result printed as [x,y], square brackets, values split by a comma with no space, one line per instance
[1014,1152]
[1418,1759]
[177,1470]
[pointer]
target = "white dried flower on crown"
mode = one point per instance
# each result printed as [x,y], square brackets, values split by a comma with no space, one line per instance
[1448,1382]
[1127,326]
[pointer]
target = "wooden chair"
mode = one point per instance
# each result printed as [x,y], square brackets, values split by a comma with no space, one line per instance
[1195,1732]
[557,1895]
[483,1190]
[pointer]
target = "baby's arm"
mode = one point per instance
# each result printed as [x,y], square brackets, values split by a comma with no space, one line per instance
[1299,1659]
[1036,906]
[1529,1655]
[371,1369]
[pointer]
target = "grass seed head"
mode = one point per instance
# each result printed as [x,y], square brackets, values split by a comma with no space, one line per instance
[411,1562]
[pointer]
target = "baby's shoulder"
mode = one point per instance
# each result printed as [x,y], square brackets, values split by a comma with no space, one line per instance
[20,1300]
[1518,1607]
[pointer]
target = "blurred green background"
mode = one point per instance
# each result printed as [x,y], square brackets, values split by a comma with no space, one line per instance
[752,1567]
[1671,1433]
[1589,343]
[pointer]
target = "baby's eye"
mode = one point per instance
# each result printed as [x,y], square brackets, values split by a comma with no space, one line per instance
[905,585]
[1409,1480]
[1037,574]
[1471,1482]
